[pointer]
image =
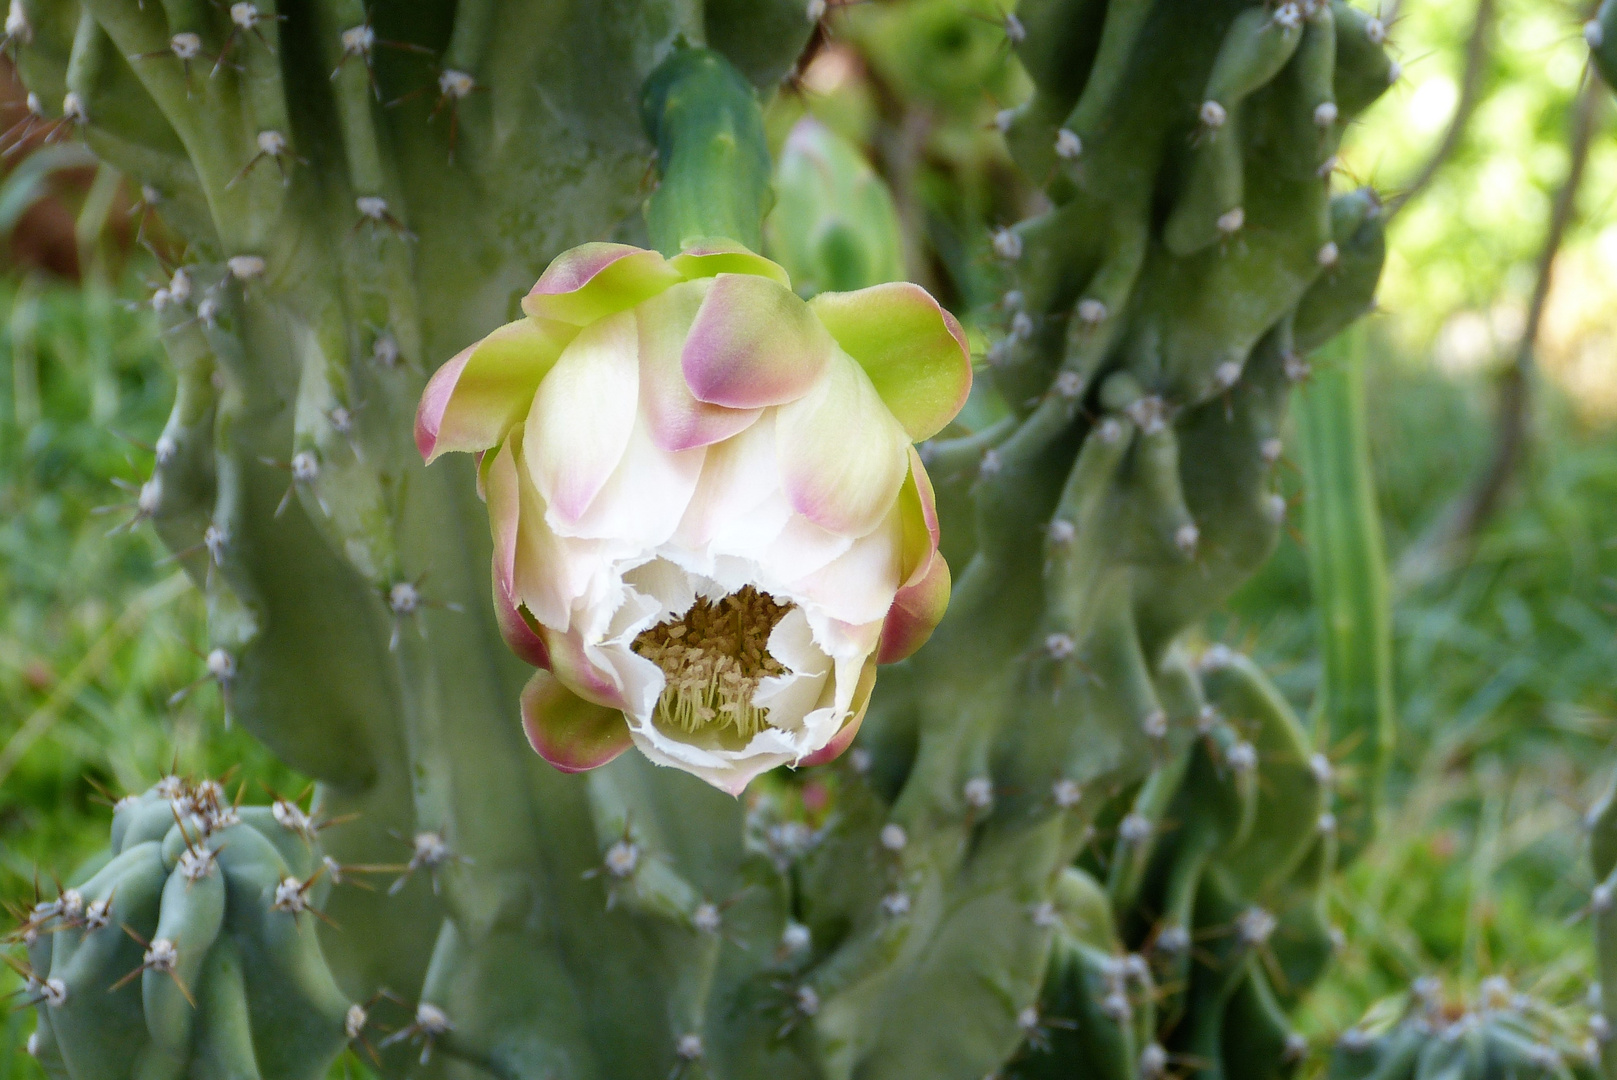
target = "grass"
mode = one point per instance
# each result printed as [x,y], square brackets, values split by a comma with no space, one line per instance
[1505,704]
[96,631]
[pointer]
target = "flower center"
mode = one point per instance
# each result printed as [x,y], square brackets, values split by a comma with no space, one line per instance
[714,659]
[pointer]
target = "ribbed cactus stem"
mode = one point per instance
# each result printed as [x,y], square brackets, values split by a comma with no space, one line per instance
[1051,807]
[712,161]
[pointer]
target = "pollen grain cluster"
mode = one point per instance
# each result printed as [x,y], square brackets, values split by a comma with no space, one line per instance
[714,658]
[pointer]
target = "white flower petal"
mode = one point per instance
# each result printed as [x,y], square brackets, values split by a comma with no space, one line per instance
[801,549]
[642,502]
[738,476]
[667,584]
[858,586]
[792,643]
[641,680]
[582,415]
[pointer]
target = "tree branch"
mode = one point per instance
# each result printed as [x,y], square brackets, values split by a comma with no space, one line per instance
[1478,51]
[1457,528]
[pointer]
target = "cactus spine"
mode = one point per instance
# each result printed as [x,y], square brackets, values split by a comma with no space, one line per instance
[1047,805]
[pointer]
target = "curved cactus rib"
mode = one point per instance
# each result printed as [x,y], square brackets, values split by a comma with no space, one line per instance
[1151,340]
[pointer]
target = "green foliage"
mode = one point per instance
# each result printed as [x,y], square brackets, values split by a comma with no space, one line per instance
[1502,675]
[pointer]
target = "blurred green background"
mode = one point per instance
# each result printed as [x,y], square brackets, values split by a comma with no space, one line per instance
[1505,651]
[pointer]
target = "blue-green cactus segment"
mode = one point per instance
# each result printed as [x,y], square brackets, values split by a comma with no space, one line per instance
[705,121]
[1424,1035]
[834,227]
[191,951]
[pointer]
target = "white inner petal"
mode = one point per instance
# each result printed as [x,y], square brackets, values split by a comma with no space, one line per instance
[659,592]
[669,531]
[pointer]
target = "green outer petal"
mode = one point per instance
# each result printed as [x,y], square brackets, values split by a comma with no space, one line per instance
[918,513]
[518,629]
[570,663]
[709,258]
[572,734]
[678,421]
[754,343]
[591,281]
[472,401]
[916,612]
[913,350]
[843,458]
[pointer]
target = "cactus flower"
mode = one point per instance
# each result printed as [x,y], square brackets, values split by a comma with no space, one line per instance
[710,523]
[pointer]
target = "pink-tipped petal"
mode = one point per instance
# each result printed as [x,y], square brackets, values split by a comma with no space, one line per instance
[754,343]
[472,401]
[916,612]
[842,455]
[592,281]
[844,736]
[539,570]
[709,258]
[567,731]
[429,413]
[678,420]
[914,350]
[583,414]
[570,662]
[521,635]
[918,512]
[504,498]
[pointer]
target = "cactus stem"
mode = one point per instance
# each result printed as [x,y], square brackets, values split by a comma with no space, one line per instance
[794,939]
[161,956]
[359,42]
[246,19]
[707,917]
[1135,829]
[428,852]
[19,31]
[185,47]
